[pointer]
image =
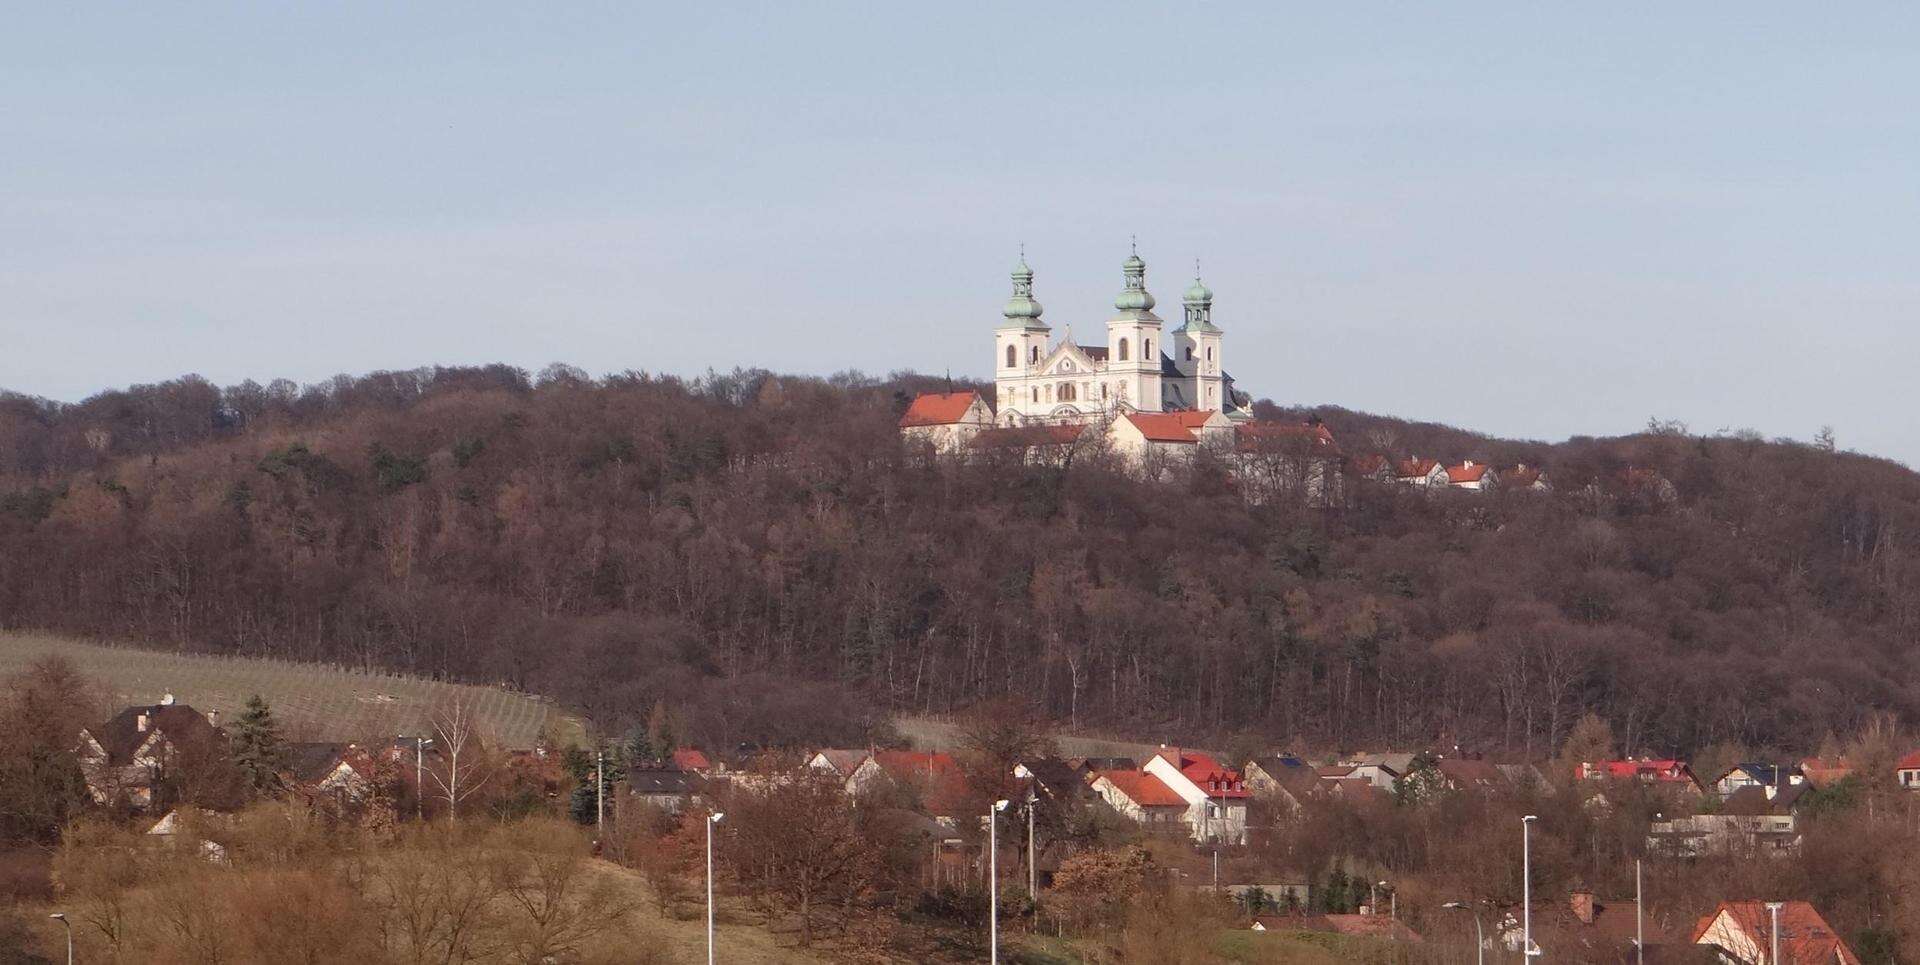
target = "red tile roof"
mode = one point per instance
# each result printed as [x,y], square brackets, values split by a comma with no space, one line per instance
[688,759]
[1666,771]
[1805,936]
[1163,426]
[1142,788]
[1414,468]
[1206,773]
[1821,772]
[1521,476]
[1257,435]
[1466,472]
[1910,762]
[1367,465]
[1022,437]
[937,409]
[943,786]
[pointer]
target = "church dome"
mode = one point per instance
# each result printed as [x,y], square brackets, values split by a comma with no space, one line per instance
[1198,294]
[1135,297]
[1022,304]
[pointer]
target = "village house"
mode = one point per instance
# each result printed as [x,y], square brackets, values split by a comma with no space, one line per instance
[669,789]
[1741,933]
[1471,476]
[136,753]
[1523,477]
[947,421]
[1143,798]
[1372,467]
[319,770]
[1906,771]
[1756,775]
[1381,770]
[1215,795]
[1420,473]
[1464,774]
[1284,780]
[1754,831]
[1584,928]
[842,765]
[1823,773]
[1667,774]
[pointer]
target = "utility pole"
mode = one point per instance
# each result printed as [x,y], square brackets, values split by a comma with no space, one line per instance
[1033,877]
[1773,908]
[712,819]
[993,881]
[1479,935]
[1526,886]
[61,917]
[599,793]
[1639,918]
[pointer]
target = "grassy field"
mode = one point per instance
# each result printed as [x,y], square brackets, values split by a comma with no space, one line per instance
[313,702]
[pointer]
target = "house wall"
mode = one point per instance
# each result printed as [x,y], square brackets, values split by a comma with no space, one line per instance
[1724,933]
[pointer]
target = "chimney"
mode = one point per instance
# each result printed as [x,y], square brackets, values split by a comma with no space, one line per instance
[140,723]
[1582,904]
[166,700]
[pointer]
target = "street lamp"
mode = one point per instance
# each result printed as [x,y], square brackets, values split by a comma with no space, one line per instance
[1773,908]
[1479,936]
[61,917]
[1033,877]
[419,776]
[712,819]
[1393,898]
[1526,886]
[993,882]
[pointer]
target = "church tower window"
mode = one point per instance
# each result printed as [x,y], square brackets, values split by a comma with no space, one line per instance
[1123,350]
[1034,355]
[1013,357]
[1146,350]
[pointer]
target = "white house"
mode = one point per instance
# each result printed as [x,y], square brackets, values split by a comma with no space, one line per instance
[1142,797]
[947,421]
[1215,795]
[1420,473]
[1470,475]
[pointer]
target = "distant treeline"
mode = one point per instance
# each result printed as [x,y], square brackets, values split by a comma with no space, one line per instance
[763,553]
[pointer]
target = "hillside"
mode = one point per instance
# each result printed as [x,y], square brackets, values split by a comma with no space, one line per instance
[314,702]
[761,553]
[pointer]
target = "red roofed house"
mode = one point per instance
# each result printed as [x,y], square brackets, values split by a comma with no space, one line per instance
[946,421]
[689,759]
[1374,467]
[1470,475]
[1907,771]
[1660,773]
[1142,797]
[1215,794]
[1424,473]
[935,775]
[1825,772]
[1741,933]
[1139,436]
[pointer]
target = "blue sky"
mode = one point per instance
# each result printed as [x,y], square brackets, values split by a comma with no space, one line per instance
[1533,220]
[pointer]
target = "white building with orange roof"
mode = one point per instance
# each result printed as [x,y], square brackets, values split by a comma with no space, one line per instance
[948,421]
[1470,475]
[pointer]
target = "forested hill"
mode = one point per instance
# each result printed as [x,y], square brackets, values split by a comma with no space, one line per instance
[760,552]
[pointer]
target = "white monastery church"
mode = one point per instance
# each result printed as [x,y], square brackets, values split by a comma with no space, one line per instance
[1139,368]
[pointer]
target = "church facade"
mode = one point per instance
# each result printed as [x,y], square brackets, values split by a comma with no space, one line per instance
[1140,366]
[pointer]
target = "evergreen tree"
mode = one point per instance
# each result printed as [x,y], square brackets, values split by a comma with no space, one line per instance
[662,730]
[258,750]
[640,749]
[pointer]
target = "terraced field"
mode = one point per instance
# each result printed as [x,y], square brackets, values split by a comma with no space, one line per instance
[314,702]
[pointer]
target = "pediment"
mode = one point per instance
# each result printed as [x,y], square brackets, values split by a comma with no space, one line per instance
[1067,359]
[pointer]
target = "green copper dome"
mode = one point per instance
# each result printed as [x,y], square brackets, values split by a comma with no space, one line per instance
[1134,297]
[1198,294]
[1023,305]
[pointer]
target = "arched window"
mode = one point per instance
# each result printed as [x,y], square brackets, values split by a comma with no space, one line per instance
[1034,354]
[1036,393]
[1146,350]
[1189,353]
[1067,394]
[1013,355]
[1103,391]
[1209,353]
[1123,350]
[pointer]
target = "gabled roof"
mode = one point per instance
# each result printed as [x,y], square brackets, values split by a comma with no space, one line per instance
[122,736]
[943,785]
[1210,776]
[1805,936]
[1162,426]
[689,759]
[1520,476]
[844,762]
[1367,465]
[1142,788]
[1465,774]
[1753,799]
[1026,437]
[1909,762]
[663,780]
[938,409]
[310,761]
[1055,776]
[1466,472]
[1415,468]
[1821,772]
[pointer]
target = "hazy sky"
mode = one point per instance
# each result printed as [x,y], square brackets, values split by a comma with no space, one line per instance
[1527,221]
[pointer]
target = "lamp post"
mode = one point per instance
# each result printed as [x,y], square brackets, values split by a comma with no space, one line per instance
[1033,878]
[1773,909]
[599,794]
[993,882]
[1479,936]
[1639,918]
[1393,899]
[712,819]
[1526,886]
[419,776]
[61,917]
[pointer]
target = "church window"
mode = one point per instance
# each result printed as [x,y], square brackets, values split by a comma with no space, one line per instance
[1146,350]
[1189,353]
[1036,393]
[1049,393]
[1033,355]
[1209,353]
[1123,350]
[1103,391]
[1013,357]
[1066,392]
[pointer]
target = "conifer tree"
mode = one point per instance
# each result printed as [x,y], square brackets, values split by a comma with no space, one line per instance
[258,750]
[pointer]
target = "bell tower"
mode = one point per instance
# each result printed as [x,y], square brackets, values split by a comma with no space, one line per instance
[1019,346]
[1197,342]
[1133,342]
